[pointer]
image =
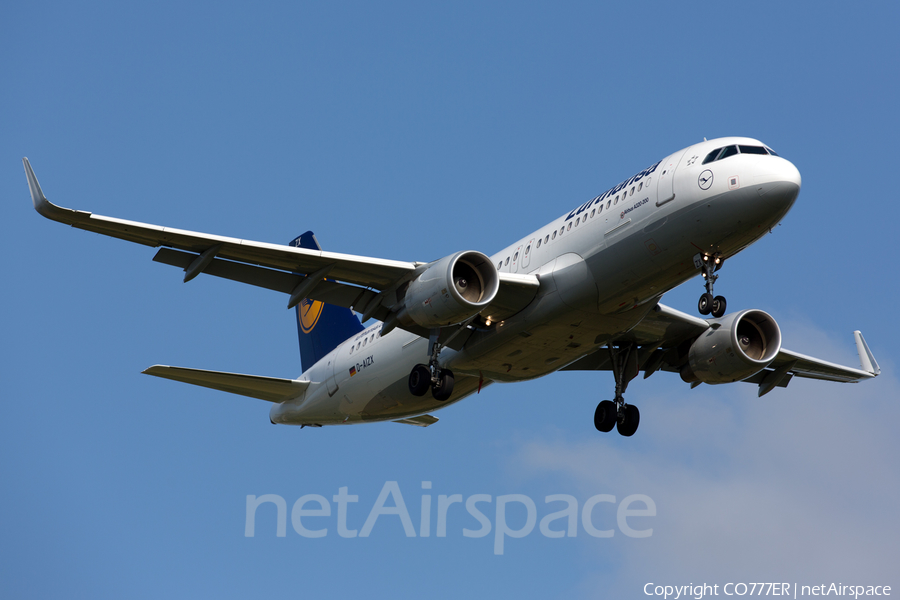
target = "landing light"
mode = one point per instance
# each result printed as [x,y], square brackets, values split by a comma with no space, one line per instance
[487,322]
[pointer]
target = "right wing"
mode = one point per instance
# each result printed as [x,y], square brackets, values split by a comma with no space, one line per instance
[367,285]
[665,334]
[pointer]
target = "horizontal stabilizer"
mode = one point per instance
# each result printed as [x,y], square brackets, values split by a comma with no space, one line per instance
[420,421]
[272,389]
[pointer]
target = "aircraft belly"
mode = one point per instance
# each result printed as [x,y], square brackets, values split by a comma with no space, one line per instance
[543,342]
[658,254]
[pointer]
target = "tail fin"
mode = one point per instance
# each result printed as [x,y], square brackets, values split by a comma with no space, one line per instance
[321,327]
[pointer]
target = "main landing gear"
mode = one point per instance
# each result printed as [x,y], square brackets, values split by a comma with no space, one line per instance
[615,413]
[432,375]
[709,303]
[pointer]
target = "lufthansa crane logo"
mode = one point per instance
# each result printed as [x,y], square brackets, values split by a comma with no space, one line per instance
[309,311]
[705,180]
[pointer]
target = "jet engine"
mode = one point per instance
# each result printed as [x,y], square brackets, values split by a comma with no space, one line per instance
[451,290]
[734,348]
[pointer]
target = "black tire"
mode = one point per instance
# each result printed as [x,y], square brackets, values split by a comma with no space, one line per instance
[629,424]
[419,380]
[718,306]
[444,391]
[704,305]
[605,416]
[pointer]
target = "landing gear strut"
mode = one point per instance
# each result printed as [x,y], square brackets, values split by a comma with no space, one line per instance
[432,375]
[615,413]
[709,303]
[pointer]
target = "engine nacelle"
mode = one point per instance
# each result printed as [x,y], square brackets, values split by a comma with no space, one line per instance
[451,290]
[737,346]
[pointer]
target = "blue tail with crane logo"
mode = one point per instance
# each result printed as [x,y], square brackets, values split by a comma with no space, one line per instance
[320,326]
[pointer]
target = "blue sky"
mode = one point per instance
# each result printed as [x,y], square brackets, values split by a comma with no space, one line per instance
[410,131]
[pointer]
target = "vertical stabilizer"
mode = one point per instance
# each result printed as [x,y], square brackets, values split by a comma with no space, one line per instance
[320,326]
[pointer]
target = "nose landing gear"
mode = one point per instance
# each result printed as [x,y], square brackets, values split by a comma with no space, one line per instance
[709,303]
[615,413]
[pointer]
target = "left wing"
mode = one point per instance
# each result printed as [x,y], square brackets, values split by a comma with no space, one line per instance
[367,285]
[665,334]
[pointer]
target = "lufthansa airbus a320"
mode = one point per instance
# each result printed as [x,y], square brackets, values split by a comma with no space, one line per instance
[580,293]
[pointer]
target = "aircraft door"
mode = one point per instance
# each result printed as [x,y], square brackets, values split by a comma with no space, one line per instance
[665,190]
[331,379]
[517,256]
[529,249]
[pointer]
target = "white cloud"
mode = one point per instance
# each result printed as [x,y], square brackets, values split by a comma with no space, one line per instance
[801,485]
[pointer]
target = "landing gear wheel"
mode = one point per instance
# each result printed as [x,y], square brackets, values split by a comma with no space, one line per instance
[605,416]
[628,420]
[705,304]
[419,380]
[709,264]
[718,306]
[442,392]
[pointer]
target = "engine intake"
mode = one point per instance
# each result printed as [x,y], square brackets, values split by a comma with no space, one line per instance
[451,290]
[736,347]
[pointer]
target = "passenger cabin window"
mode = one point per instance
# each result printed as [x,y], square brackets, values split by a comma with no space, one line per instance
[539,243]
[507,261]
[547,239]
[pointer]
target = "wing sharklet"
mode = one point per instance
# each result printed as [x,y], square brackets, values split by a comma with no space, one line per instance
[866,358]
[45,207]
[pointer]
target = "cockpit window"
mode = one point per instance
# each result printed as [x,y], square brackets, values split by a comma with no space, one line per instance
[712,156]
[752,150]
[728,151]
[720,153]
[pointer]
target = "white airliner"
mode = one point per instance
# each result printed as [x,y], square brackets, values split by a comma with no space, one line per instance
[580,293]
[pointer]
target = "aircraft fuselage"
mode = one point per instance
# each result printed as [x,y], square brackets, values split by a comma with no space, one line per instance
[602,267]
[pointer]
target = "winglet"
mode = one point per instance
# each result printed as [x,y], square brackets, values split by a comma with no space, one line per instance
[44,206]
[37,195]
[866,359]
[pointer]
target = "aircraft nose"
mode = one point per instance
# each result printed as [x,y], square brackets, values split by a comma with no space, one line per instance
[778,182]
